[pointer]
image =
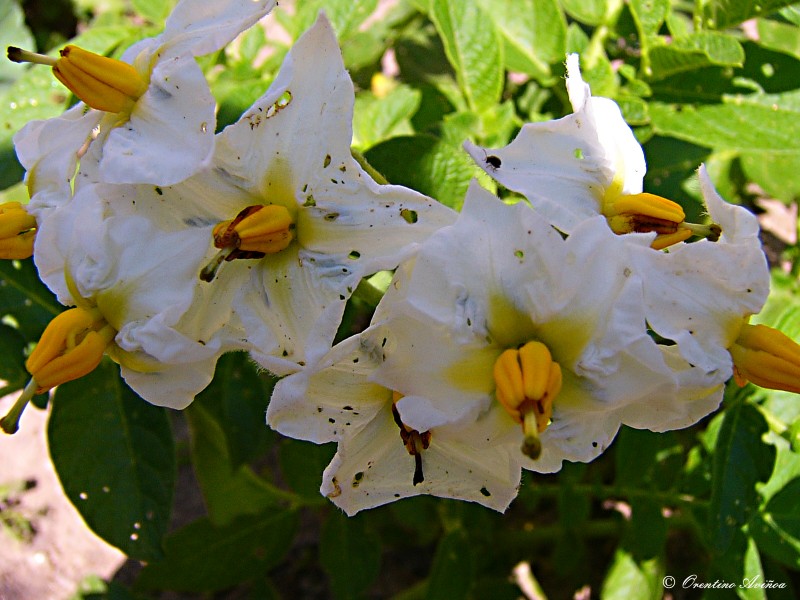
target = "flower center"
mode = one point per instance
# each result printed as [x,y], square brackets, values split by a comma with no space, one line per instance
[17,231]
[643,213]
[72,345]
[414,441]
[766,357]
[101,82]
[255,232]
[527,381]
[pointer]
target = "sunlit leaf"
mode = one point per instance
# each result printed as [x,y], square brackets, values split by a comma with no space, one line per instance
[473,48]
[721,14]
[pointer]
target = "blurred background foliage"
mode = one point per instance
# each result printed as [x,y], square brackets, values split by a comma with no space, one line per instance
[714,81]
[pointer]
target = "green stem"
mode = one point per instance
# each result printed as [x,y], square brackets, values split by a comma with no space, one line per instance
[368,293]
[10,423]
[368,167]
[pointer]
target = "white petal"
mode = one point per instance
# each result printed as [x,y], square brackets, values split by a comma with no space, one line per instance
[698,294]
[565,166]
[327,400]
[175,386]
[170,132]
[48,150]
[201,27]
[373,468]
[292,307]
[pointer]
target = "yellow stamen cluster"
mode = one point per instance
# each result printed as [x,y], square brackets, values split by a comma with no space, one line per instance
[17,231]
[255,232]
[644,213]
[766,357]
[527,381]
[103,83]
[71,346]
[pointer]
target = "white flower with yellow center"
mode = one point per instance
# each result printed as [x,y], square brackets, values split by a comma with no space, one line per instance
[585,164]
[156,96]
[137,299]
[500,313]
[379,458]
[286,218]
[701,295]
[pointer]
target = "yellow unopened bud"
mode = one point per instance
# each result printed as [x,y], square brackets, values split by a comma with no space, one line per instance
[255,232]
[71,346]
[101,82]
[645,213]
[17,231]
[766,357]
[527,381]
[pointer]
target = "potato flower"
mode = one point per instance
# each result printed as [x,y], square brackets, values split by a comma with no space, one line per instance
[155,96]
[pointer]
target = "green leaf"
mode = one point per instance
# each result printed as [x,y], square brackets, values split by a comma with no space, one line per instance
[155,11]
[776,528]
[473,48]
[350,555]
[741,460]
[700,49]
[452,572]
[429,165]
[649,15]
[302,464]
[24,299]
[722,14]
[13,374]
[534,32]
[628,579]
[379,119]
[744,127]
[588,12]
[647,531]
[202,557]
[347,16]
[114,455]
[237,400]
[13,32]
[779,36]
[228,490]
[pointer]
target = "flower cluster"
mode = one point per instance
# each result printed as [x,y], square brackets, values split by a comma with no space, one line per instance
[511,336]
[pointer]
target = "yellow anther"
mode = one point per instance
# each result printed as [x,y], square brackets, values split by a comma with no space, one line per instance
[669,239]
[71,346]
[17,231]
[103,83]
[255,232]
[645,205]
[526,383]
[766,357]
[644,213]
